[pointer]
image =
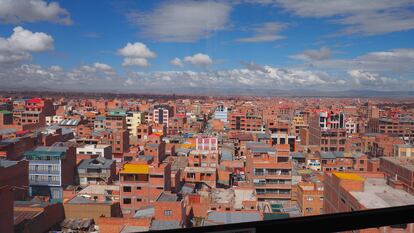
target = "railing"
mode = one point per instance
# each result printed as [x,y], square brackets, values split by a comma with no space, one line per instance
[347,221]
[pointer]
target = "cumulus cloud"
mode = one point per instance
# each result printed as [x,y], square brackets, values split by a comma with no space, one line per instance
[99,76]
[136,54]
[182,21]
[18,11]
[397,61]
[177,62]
[134,61]
[199,59]
[317,54]
[361,78]
[357,17]
[19,46]
[265,33]
[254,66]
[96,76]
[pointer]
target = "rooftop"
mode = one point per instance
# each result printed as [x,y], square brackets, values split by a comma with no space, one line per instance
[228,217]
[99,189]
[135,169]
[377,194]
[167,197]
[96,163]
[199,169]
[7,163]
[348,176]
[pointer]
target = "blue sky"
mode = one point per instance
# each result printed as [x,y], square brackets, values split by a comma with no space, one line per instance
[263,44]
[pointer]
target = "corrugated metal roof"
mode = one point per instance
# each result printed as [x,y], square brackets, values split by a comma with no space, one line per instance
[164,225]
[217,217]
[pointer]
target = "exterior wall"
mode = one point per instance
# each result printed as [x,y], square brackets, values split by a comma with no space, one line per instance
[133,120]
[92,210]
[16,176]
[141,189]
[398,172]
[101,150]
[310,199]
[44,221]
[271,179]
[170,211]
[6,210]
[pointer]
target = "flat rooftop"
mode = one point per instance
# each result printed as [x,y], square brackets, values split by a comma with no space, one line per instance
[200,169]
[377,194]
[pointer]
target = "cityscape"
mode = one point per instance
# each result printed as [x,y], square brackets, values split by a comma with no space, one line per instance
[206,116]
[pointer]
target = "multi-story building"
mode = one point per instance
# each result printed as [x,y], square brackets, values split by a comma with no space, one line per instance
[96,171]
[115,122]
[101,150]
[280,134]
[99,123]
[40,105]
[383,145]
[142,183]
[143,131]
[206,143]
[6,118]
[245,121]
[403,150]
[162,114]
[310,198]
[133,120]
[328,131]
[338,161]
[346,192]
[203,158]
[176,124]
[119,140]
[399,172]
[401,127]
[50,168]
[221,113]
[270,173]
[206,175]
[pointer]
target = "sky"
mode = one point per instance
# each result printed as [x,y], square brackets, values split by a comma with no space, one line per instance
[188,45]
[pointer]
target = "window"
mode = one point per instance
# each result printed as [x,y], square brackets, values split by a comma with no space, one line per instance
[167,212]
[127,201]
[127,189]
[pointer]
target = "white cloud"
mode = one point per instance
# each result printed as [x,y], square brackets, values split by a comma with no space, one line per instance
[136,50]
[98,76]
[18,11]
[310,54]
[361,78]
[141,62]
[358,17]
[136,54]
[397,61]
[182,21]
[199,59]
[265,33]
[177,62]
[25,40]
[19,46]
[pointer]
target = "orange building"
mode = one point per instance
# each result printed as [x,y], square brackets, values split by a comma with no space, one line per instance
[310,198]
[345,192]
[141,184]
